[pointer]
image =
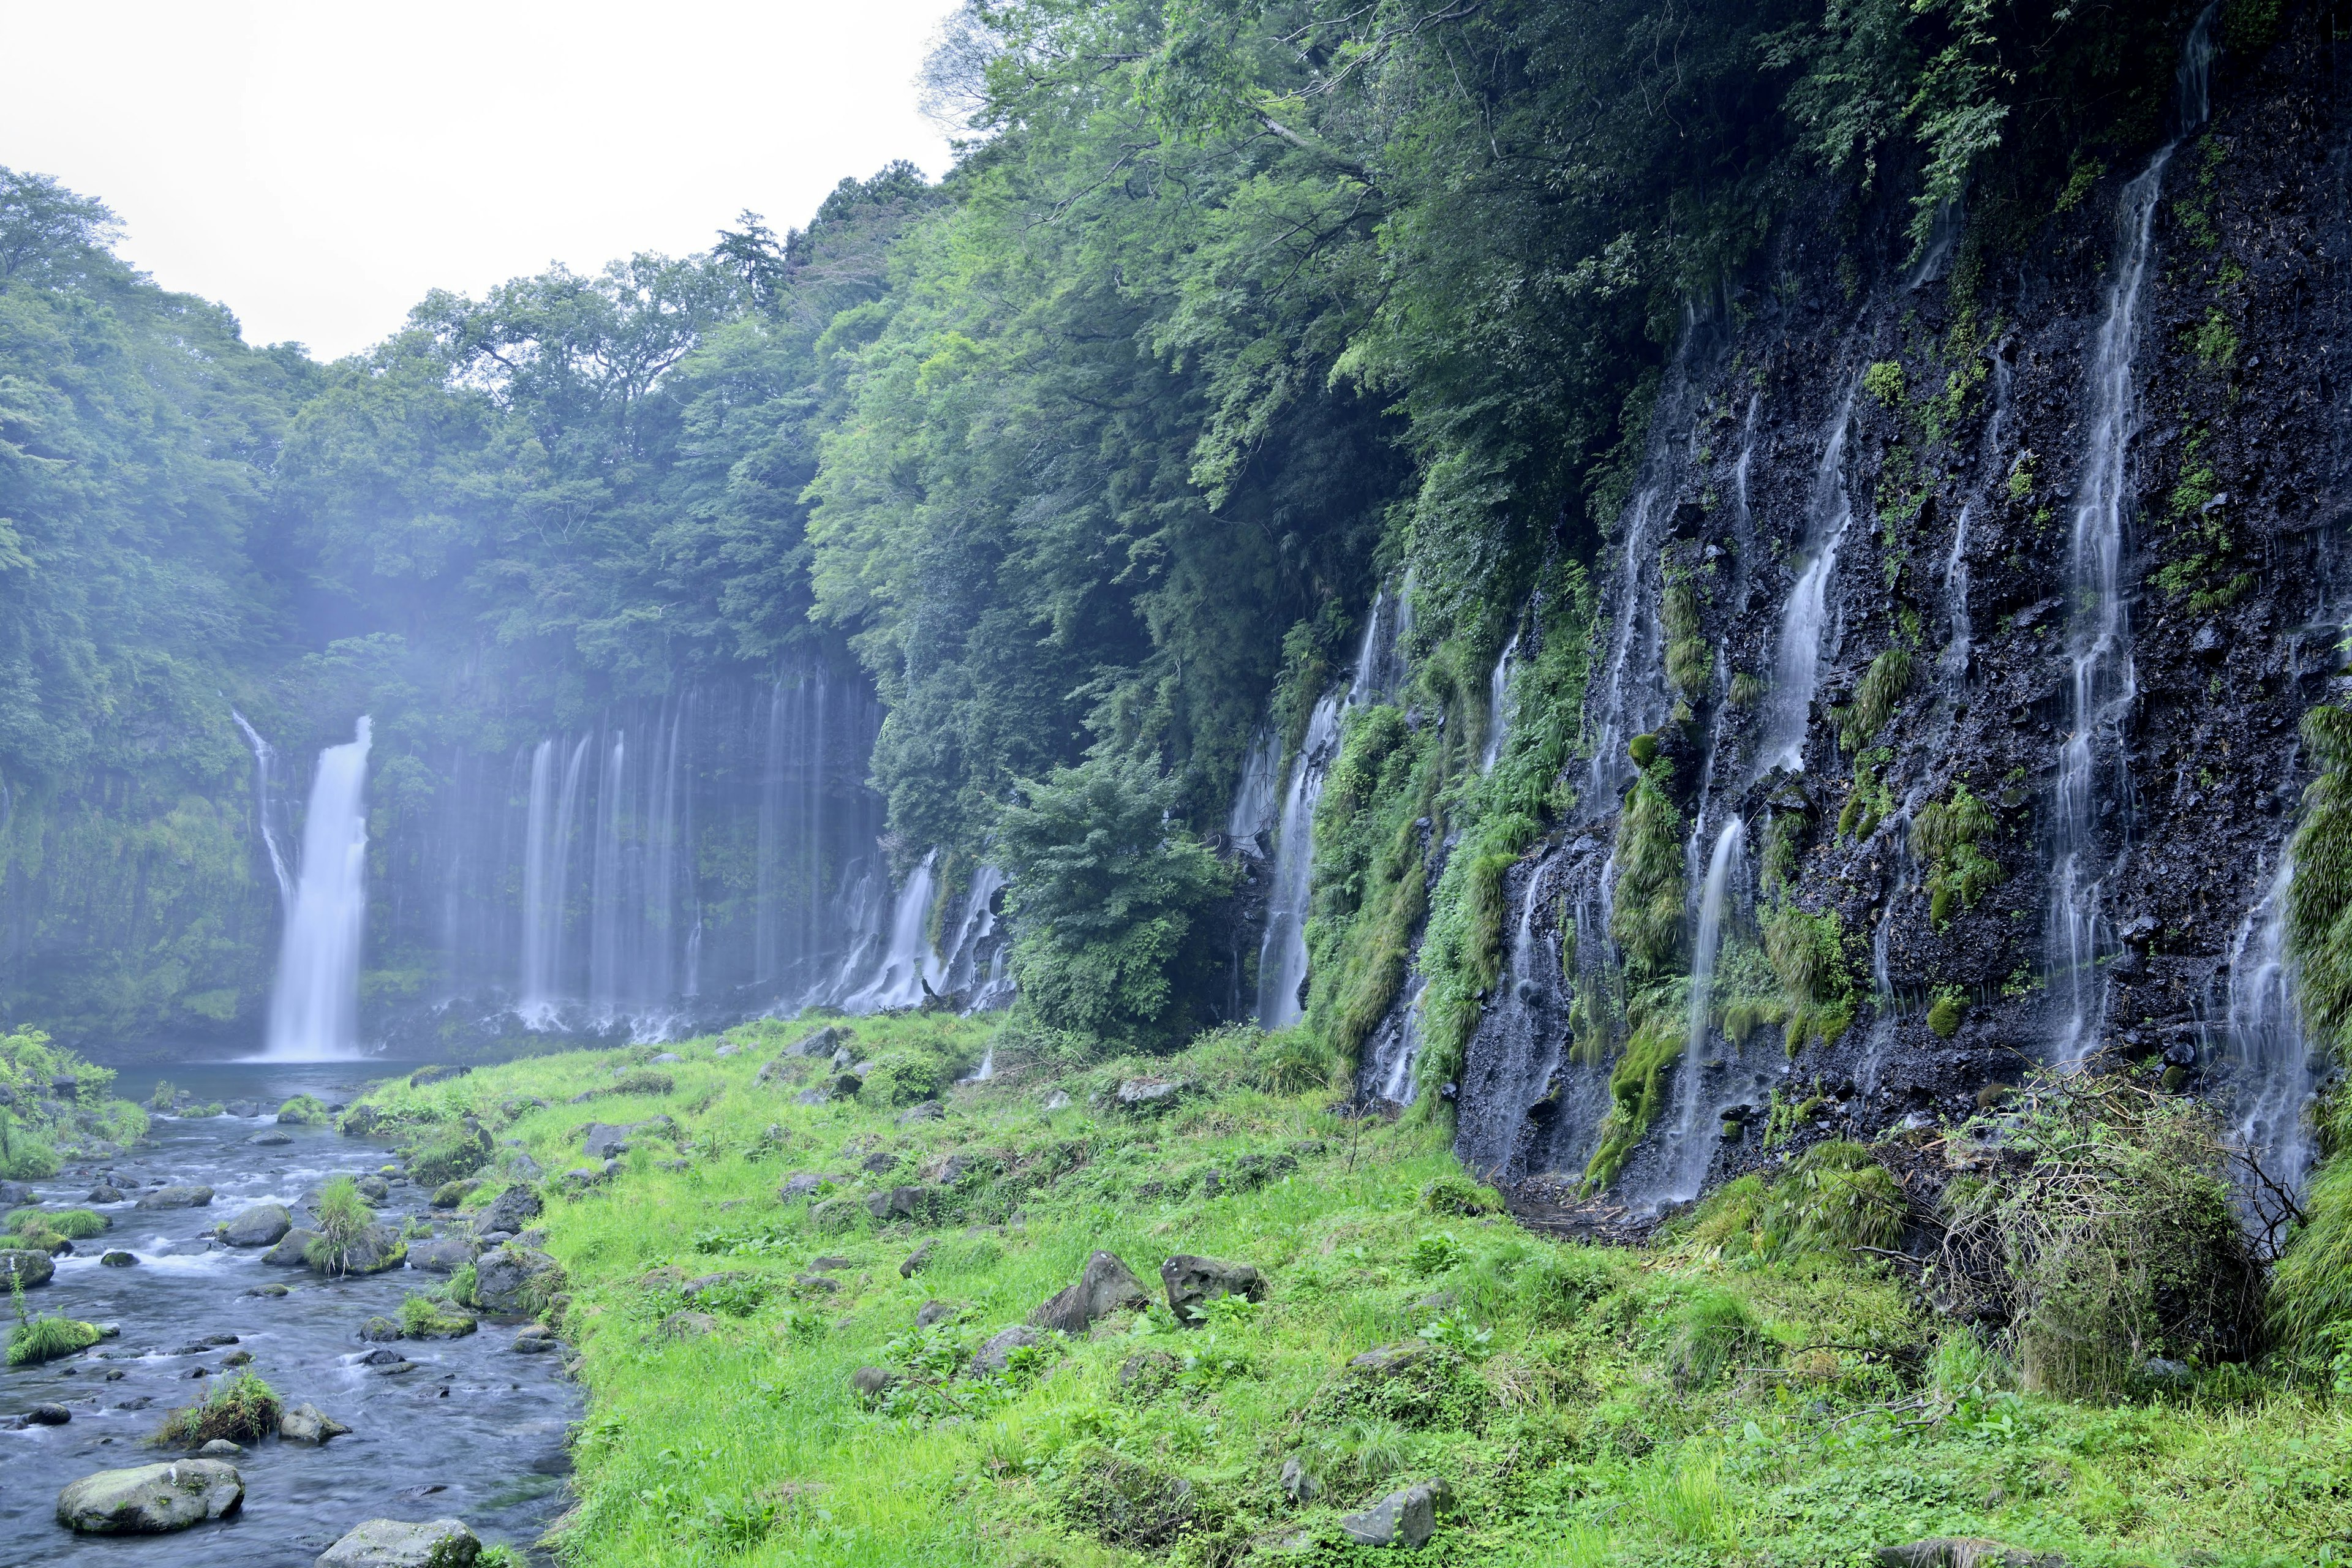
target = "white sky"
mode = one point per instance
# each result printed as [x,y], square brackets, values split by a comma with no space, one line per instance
[317,166]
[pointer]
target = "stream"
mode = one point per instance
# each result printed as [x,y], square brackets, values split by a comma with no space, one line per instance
[476,1432]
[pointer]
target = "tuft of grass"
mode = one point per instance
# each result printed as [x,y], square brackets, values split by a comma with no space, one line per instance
[304,1110]
[241,1409]
[72,1225]
[35,1339]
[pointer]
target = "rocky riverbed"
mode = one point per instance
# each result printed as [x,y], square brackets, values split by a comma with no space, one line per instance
[467,1427]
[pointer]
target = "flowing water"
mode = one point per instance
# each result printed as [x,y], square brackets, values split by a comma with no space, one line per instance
[1281,956]
[476,1431]
[1690,1142]
[1796,654]
[2269,1062]
[265,770]
[1498,699]
[314,1009]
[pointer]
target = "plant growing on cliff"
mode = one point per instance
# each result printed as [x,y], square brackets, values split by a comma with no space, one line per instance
[1646,920]
[1808,952]
[1949,835]
[1875,696]
[1690,658]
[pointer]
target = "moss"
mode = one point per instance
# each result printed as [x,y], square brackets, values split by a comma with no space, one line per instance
[1777,863]
[302,1111]
[1746,690]
[72,1225]
[1646,917]
[1874,698]
[1948,835]
[1944,1016]
[1661,1028]
[1643,749]
[1372,879]
[1690,658]
[1808,953]
[34,1340]
[423,1318]
[1884,381]
[1460,1195]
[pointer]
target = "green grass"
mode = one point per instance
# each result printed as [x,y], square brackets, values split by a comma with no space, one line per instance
[1700,1402]
[240,1409]
[44,1339]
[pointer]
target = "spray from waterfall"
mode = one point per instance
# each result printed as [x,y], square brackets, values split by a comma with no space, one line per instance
[314,1008]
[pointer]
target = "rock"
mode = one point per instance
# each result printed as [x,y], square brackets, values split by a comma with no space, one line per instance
[1194,1282]
[288,1252]
[516,1282]
[391,1543]
[442,1254]
[915,1259]
[1106,1286]
[273,1139]
[878,1164]
[831,1265]
[1963,1551]
[1406,1518]
[151,1499]
[916,1205]
[28,1265]
[602,1140]
[728,1049]
[812,1096]
[49,1416]
[103,1195]
[800,1184]
[579,1178]
[220,1449]
[373,1250]
[382,1358]
[689,1325]
[929,1111]
[834,1214]
[933,1311]
[263,1225]
[17,1194]
[435,1074]
[522,1167]
[176,1198]
[238,1358]
[1390,1359]
[511,1210]
[449,1194]
[1148,1371]
[817,1282]
[666,1058]
[872,1383]
[379,1329]
[537,1338]
[1298,1484]
[1057,1100]
[1150,1093]
[261,1289]
[117,1258]
[242,1108]
[996,1355]
[823,1043]
[375,1189]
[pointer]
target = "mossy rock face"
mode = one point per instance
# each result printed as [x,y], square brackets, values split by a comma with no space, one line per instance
[151,1499]
[516,1282]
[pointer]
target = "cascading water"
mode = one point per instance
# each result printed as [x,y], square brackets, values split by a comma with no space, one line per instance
[265,765]
[971,968]
[1281,956]
[1498,698]
[314,1009]
[907,962]
[2103,683]
[1691,1141]
[1797,655]
[1255,797]
[2269,1062]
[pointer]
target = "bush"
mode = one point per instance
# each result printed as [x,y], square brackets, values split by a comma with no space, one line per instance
[240,1409]
[1125,1502]
[26,1156]
[644,1080]
[302,1111]
[1459,1195]
[455,1154]
[44,1339]
[1834,1198]
[903,1078]
[343,1217]
[1946,834]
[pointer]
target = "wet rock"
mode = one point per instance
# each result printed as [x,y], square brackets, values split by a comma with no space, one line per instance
[602,1140]
[1194,1282]
[1145,1094]
[996,1355]
[373,1250]
[1106,1286]
[449,1194]
[914,1260]
[263,1225]
[1406,1518]
[242,1108]
[117,1258]
[516,1282]
[1963,1551]
[379,1329]
[307,1424]
[873,1383]
[392,1544]
[511,1210]
[375,1189]
[238,1358]
[17,1194]
[914,1204]
[536,1339]
[272,1138]
[48,1415]
[220,1449]
[27,1264]
[176,1198]
[689,1325]
[151,1499]
[288,1252]
[103,1194]
[929,1111]
[1388,1359]
[263,1289]
[443,1254]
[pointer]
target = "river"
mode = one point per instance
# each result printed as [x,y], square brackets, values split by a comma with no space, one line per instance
[476,1432]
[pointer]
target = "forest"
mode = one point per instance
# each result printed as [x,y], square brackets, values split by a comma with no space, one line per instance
[1721,625]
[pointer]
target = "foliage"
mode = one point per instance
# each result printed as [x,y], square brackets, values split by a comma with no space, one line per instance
[1808,953]
[1950,834]
[343,1217]
[34,1340]
[303,1110]
[240,1409]
[1875,697]
[422,1318]
[2319,900]
[1647,919]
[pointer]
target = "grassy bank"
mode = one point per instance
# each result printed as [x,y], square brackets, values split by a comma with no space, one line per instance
[1586,1405]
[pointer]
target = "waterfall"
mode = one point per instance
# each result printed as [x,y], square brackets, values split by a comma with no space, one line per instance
[2103,683]
[906,962]
[1797,656]
[1498,696]
[605,893]
[265,763]
[1954,662]
[1254,796]
[971,967]
[314,1010]
[1691,1141]
[547,873]
[2270,1079]
[1281,956]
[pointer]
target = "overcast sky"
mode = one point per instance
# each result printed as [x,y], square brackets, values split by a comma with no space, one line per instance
[317,166]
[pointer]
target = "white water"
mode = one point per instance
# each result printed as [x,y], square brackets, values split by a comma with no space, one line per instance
[1255,797]
[1691,1141]
[1281,956]
[314,1009]
[265,763]
[2103,683]
[1499,711]
[546,870]
[907,958]
[1797,656]
[2270,1060]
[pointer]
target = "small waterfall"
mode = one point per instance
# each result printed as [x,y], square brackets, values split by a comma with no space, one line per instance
[264,764]
[1880,1043]
[605,894]
[2270,1079]
[908,963]
[1691,1141]
[1498,698]
[1797,656]
[2103,682]
[1380,663]
[547,872]
[1254,797]
[314,1010]
[1281,956]
[972,968]
[1954,662]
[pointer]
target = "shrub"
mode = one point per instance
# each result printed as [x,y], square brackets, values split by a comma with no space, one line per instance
[1875,696]
[903,1078]
[2098,1225]
[26,1156]
[343,1217]
[1712,1334]
[1832,1198]
[163,1096]
[302,1111]
[1808,952]
[644,1080]
[1646,920]
[1459,1195]
[1884,380]
[455,1154]
[1945,835]
[1431,1387]
[240,1409]
[43,1339]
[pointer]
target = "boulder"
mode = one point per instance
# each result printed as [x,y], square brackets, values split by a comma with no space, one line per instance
[916,1205]
[834,1214]
[823,1043]
[812,1096]
[880,1164]
[1406,1518]
[602,1140]
[929,1111]
[373,1250]
[728,1049]
[151,1499]
[1298,1483]
[511,1210]
[306,1423]
[522,1167]
[579,1178]
[1147,1094]
[242,1108]
[516,1282]
[666,1058]
[375,1189]
[220,1449]
[17,1194]
[1963,1551]
[933,1311]
[31,1267]
[1388,1359]
[45,1414]
[104,1195]
[689,1325]
[392,1544]
[536,1338]
[176,1198]
[288,1252]
[996,1355]
[380,1329]
[449,1194]
[800,1184]
[1106,1286]
[117,1258]
[872,1383]
[1194,1282]
[914,1260]
[263,1225]
[442,1254]
[273,1139]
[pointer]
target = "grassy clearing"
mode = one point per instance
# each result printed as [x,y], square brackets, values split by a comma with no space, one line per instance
[1739,1394]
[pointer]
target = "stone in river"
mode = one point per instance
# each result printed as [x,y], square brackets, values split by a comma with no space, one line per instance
[272,1138]
[288,1253]
[117,1258]
[27,1264]
[304,1424]
[176,1198]
[263,1225]
[151,1499]
[391,1543]
[443,1255]
[49,1416]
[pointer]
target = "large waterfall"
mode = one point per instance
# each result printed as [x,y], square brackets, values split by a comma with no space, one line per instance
[314,1010]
